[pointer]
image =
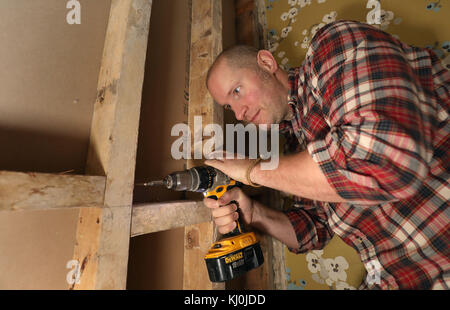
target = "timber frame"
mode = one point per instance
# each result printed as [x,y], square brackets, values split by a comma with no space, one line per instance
[107,217]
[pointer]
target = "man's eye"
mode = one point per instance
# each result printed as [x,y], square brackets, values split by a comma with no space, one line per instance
[227,107]
[237,90]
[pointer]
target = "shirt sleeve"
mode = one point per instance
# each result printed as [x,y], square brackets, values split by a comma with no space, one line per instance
[373,91]
[310,226]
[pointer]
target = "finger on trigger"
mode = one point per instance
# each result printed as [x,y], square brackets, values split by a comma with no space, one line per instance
[210,203]
[233,193]
[226,198]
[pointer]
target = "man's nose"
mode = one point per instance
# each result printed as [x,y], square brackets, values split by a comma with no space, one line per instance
[239,112]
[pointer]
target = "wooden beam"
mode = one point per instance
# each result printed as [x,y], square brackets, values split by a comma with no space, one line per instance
[251,28]
[103,234]
[153,217]
[260,23]
[205,45]
[40,191]
[275,254]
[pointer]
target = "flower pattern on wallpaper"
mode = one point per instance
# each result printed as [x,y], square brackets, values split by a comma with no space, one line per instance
[434,6]
[289,18]
[299,284]
[329,271]
[289,37]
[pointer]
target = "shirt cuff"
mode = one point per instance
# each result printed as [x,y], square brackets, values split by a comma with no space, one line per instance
[304,230]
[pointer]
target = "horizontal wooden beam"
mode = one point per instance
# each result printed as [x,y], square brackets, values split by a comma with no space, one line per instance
[40,191]
[153,217]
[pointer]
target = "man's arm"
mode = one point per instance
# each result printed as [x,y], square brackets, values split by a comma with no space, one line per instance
[296,174]
[299,175]
[301,229]
[274,223]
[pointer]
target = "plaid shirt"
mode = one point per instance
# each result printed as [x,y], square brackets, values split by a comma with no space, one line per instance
[373,113]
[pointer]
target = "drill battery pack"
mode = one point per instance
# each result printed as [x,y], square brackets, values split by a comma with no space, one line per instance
[233,256]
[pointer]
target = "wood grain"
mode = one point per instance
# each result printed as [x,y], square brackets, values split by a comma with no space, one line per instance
[40,191]
[154,217]
[103,235]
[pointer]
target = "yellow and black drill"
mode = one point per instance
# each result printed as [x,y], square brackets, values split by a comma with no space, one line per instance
[238,251]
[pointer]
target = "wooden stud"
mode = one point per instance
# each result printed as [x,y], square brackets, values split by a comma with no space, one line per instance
[251,29]
[103,234]
[40,191]
[205,45]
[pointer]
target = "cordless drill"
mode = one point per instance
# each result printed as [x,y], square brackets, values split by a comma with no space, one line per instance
[238,251]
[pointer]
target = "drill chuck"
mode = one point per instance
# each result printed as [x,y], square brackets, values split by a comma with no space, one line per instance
[197,179]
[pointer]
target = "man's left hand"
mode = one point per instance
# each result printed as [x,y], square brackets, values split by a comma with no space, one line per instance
[234,168]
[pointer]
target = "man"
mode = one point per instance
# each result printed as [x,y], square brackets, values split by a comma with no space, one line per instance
[372,113]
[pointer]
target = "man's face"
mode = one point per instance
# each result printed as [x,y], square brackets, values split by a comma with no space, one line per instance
[254,97]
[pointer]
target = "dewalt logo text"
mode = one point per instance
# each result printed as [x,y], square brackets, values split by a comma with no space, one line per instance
[234,257]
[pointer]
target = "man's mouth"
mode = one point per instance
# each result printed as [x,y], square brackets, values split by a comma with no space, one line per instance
[254,117]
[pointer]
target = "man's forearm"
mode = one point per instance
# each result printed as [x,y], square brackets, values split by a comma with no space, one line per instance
[299,175]
[274,223]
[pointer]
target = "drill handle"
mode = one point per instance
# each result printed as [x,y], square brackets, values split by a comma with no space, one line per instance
[239,226]
[217,193]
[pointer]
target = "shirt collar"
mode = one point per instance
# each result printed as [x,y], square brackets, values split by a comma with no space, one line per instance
[285,127]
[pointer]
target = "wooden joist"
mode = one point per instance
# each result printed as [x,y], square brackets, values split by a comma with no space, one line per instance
[154,217]
[205,45]
[103,234]
[26,191]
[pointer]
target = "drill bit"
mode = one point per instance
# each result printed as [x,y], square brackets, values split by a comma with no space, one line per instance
[152,183]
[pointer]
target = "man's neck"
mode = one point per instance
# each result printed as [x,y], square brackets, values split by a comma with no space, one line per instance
[283,77]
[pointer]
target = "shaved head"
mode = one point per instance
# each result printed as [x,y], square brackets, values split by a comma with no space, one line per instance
[237,57]
[249,82]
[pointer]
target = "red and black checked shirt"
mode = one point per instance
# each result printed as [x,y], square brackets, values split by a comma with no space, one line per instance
[374,114]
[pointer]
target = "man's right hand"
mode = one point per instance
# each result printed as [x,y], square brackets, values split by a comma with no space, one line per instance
[225,214]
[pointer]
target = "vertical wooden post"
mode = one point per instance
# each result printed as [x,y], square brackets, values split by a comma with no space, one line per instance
[103,234]
[205,45]
[251,29]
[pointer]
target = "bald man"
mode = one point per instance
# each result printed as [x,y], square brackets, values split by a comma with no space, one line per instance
[366,121]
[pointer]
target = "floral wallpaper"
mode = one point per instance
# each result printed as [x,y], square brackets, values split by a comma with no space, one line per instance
[291,25]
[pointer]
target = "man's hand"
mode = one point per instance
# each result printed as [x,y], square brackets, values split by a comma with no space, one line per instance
[224,213]
[234,168]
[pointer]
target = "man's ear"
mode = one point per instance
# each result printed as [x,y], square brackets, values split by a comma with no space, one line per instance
[266,61]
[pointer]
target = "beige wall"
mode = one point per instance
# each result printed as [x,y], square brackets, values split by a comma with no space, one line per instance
[48,81]
[156,260]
